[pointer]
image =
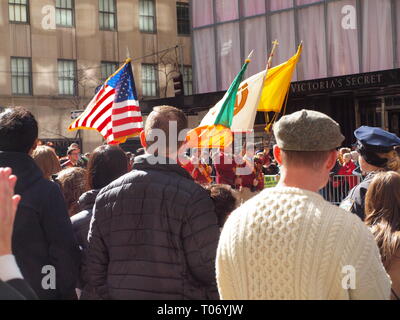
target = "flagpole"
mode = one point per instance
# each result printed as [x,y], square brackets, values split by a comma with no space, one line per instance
[269,61]
[275,44]
[128,55]
[249,56]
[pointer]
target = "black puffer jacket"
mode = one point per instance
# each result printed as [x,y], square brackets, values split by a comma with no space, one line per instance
[80,225]
[154,235]
[81,221]
[42,233]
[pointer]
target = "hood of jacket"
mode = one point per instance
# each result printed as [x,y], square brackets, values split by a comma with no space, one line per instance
[86,201]
[24,167]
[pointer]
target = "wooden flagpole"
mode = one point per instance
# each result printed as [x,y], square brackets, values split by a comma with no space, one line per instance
[275,44]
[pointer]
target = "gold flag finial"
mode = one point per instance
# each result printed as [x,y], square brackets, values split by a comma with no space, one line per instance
[275,44]
[249,57]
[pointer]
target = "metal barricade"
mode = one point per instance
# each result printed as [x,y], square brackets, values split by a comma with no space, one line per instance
[335,191]
[338,188]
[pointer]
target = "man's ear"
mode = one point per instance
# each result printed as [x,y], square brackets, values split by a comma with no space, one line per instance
[277,154]
[143,139]
[331,161]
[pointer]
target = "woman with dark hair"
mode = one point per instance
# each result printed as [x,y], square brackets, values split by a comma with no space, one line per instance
[106,164]
[225,200]
[382,208]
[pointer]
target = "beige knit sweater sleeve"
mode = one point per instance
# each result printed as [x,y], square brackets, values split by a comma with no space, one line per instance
[224,262]
[372,281]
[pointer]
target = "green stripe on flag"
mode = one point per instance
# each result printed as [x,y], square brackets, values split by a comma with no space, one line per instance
[225,115]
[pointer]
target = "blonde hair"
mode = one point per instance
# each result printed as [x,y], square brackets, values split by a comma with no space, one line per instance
[393,163]
[342,151]
[354,155]
[347,155]
[47,161]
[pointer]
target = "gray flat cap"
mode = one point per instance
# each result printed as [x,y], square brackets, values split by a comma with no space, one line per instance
[307,130]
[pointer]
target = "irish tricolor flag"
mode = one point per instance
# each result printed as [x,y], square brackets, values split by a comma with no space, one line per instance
[215,129]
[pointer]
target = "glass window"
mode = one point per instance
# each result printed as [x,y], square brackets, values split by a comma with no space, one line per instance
[187,80]
[202,12]
[258,44]
[66,77]
[343,51]
[205,60]
[252,8]
[21,76]
[304,2]
[182,13]
[65,13]
[313,63]
[275,5]
[107,15]
[282,29]
[107,69]
[226,10]
[228,54]
[18,10]
[147,16]
[377,35]
[149,80]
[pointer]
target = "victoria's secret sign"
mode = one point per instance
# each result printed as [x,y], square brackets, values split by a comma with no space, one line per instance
[358,81]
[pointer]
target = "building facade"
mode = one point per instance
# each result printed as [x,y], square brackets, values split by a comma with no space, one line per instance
[54,53]
[348,67]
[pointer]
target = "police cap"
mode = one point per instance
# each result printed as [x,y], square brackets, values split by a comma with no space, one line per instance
[376,139]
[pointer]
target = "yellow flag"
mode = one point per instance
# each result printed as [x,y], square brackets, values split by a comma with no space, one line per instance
[277,84]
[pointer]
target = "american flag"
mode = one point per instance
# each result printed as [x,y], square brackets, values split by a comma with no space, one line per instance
[114,111]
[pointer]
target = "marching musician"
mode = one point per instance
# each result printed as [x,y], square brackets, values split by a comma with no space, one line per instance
[198,168]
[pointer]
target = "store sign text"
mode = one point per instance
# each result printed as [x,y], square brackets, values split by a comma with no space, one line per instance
[338,83]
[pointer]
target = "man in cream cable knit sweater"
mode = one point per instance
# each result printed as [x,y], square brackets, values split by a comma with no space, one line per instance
[288,242]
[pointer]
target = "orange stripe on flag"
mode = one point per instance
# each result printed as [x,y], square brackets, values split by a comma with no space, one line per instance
[215,136]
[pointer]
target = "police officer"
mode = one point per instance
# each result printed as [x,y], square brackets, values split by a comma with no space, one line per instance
[377,153]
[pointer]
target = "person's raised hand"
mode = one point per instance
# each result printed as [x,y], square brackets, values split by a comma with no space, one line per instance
[8,208]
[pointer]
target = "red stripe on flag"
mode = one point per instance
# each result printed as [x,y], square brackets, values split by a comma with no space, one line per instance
[96,107]
[126,109]
[103,111]
[126,120]
[104,123]
[109,132]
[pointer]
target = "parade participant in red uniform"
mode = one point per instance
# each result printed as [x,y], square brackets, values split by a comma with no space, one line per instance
[225,167]
[258,184]
[200,171]
[264,157]
[249,175]
[185,163]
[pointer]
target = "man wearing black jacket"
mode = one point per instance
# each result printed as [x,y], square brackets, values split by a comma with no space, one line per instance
[43,241]
[154,231]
